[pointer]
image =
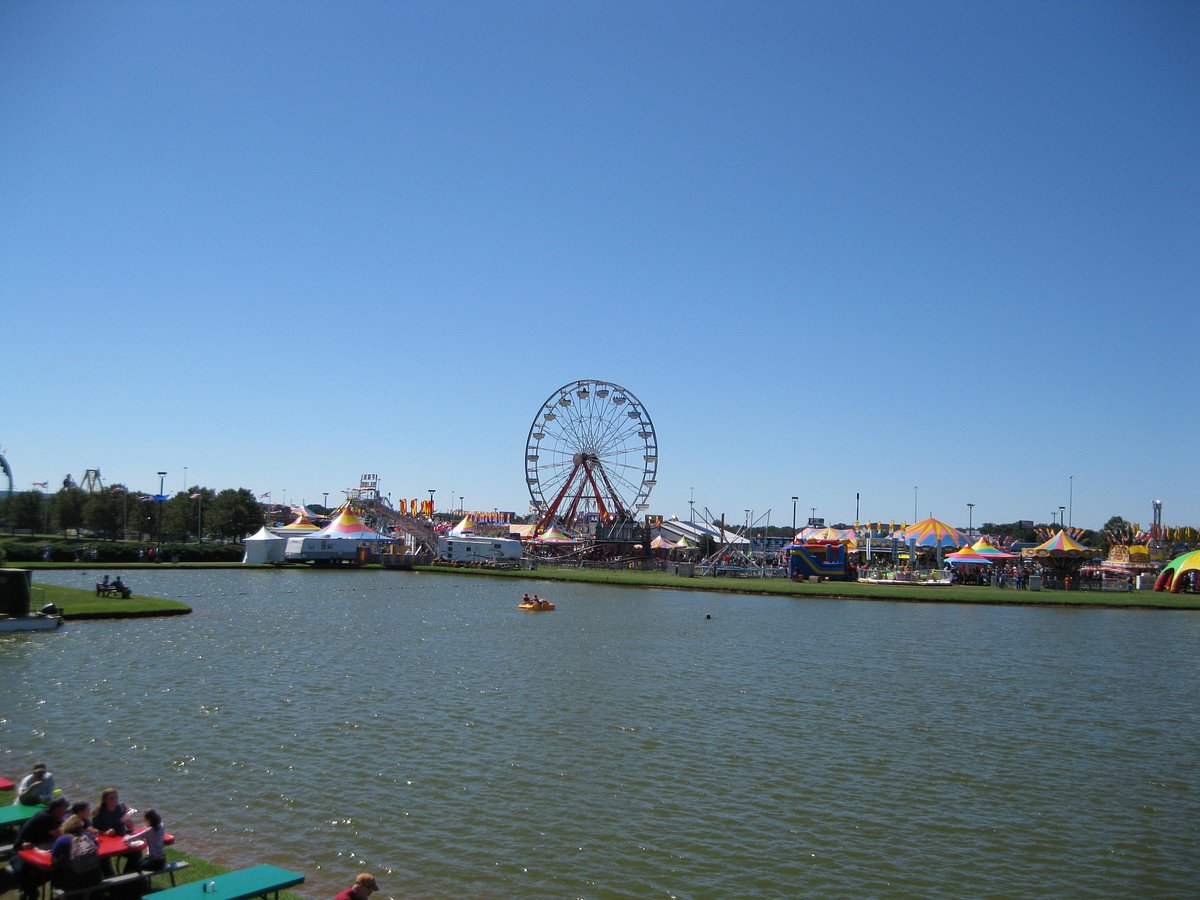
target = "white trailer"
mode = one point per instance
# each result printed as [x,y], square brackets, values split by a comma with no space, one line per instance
[479,549]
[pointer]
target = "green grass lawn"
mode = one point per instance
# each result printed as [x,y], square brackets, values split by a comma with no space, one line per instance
[77,603]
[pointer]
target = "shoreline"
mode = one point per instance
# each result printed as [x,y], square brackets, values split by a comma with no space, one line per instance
[900,592]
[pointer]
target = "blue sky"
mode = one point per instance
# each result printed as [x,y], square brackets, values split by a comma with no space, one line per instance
[834,248]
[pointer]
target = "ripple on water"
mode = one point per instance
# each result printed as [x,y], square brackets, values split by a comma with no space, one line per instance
[422,728]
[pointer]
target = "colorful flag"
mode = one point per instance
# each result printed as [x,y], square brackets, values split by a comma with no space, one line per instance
[41,484]
[264,496]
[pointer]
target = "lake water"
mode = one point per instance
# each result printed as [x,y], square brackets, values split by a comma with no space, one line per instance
[627,745]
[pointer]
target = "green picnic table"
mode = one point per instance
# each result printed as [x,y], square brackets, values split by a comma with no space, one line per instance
[256,881]
[18,814]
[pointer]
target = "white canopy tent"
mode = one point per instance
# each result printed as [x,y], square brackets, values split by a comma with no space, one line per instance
[264,547]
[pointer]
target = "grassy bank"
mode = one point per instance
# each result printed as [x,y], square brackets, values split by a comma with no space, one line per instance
[85,605]
[841,589]
[77,603]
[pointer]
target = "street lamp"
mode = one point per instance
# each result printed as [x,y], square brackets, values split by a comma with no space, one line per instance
[462,506]
[1071,502]
[1062,518]
[794,499]
[813,518]
[325,494]
[915,486]
[158,539]
[970,520]
[431,493]
[1053,517]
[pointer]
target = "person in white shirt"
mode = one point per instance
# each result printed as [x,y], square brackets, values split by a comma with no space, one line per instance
[36,787]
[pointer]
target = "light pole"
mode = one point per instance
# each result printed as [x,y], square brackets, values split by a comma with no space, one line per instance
[813,518]
[1053,518]
[794,499]
[1071,503]
[915,486]
[185,484]
[325,494]
[692,506]
[1062,519]
[462,505]
[971,520]
[158,539]
[431,493]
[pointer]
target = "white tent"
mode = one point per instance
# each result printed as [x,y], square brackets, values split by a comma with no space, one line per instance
[264,547]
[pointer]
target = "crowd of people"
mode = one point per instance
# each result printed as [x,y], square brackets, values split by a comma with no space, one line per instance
[71,831]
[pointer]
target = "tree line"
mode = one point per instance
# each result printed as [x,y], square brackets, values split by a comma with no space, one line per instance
[196,514]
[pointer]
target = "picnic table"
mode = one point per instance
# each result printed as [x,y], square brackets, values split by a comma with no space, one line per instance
[18,814]
[108,845]
[256,881]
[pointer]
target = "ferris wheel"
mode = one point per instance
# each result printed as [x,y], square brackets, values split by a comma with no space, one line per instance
[591,454]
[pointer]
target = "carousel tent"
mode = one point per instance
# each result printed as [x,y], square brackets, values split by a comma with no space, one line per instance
[984,547]
[465,527]
[264,547]
[1060,545]
[339,540]
[300,523]
[349,526]
[1061,553]
[932,533]
[967,557]
[554,536]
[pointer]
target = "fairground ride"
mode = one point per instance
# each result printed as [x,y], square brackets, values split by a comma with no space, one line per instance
[591,456]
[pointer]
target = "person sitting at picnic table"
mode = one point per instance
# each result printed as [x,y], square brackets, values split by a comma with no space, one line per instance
[154,834]
[83,809]
[38,831]
[36,787]
[364,885]
[75,857]
[111,814]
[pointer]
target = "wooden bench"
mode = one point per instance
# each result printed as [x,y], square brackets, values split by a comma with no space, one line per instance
[112,590]
[119,881]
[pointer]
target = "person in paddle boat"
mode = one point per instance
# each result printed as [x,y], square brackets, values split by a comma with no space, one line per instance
[525,598]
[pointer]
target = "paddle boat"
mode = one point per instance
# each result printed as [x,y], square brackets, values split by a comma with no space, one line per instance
[536,604]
